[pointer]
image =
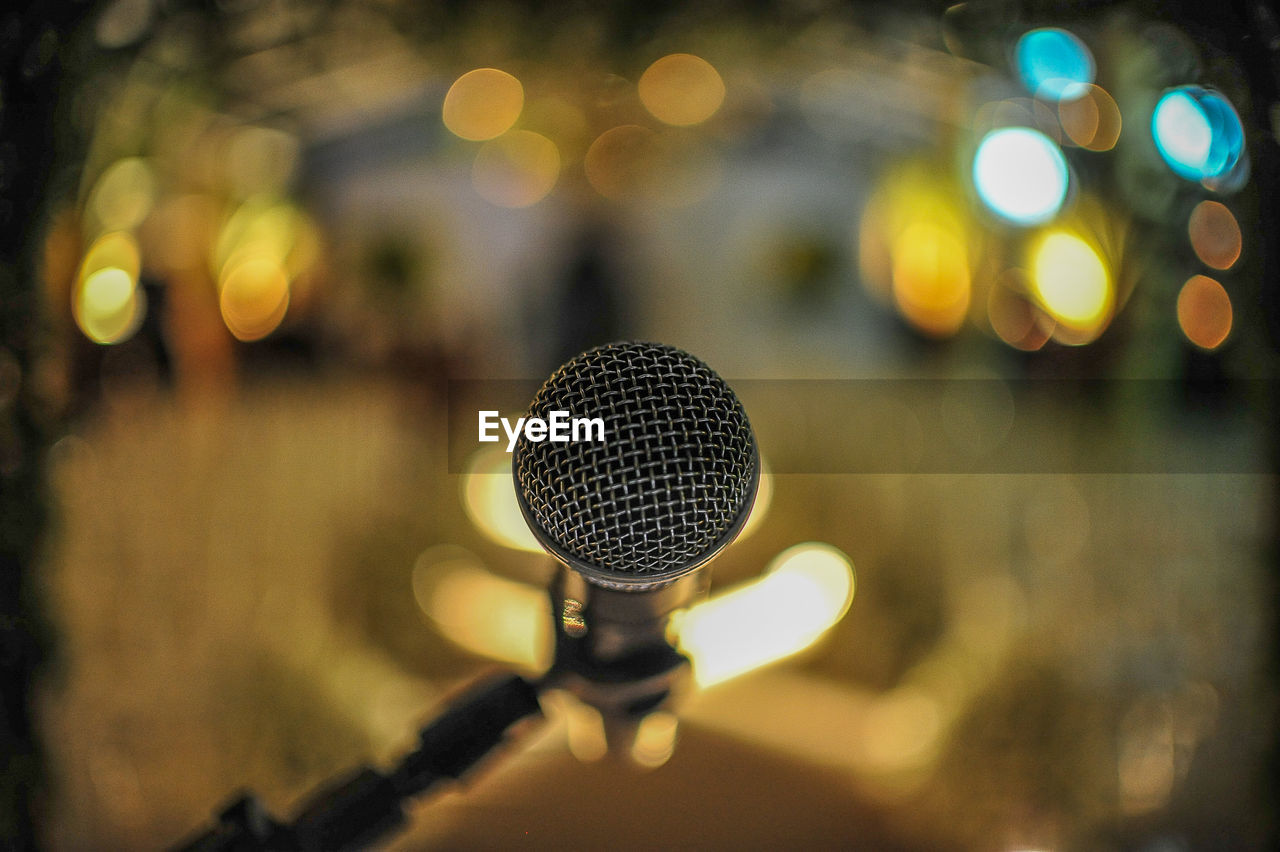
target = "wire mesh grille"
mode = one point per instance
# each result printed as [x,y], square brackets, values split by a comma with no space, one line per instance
[675,471]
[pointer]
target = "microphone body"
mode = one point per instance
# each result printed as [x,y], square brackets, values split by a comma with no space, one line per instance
[634,519]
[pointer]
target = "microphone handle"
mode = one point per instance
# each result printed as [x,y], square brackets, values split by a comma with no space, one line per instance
[365,805]
[612,645]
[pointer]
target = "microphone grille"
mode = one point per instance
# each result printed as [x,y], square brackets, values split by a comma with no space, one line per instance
[670,484]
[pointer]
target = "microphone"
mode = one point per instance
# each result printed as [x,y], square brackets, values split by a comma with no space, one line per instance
[635,518]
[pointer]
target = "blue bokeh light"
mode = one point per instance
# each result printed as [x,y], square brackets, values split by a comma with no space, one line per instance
[1054,64]
[1197,132]
[1021,175]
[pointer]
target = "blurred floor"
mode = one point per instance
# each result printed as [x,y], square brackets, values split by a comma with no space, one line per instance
[1031,661]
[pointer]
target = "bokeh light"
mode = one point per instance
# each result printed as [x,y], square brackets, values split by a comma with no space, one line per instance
[253,297]
[1015,320]
[108,306]
[123,195]
[914,250]
[482,104]
[1215,235]
[931,277]
[1071,282]
[1021,175]
[106,303]
[118,249]
[681,89]
[1204,312]
[264,227]
[804,592]
[1053,64]
[1092,120]
[1197,132]
[517,169]
[619,161]
[486,614]
[655,739]
[489,499]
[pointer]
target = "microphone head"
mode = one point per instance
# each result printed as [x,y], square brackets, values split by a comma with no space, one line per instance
[669,486]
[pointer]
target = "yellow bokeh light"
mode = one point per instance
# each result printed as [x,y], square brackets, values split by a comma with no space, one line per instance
[124,194]
[583,725]
[655,739]
[118,249]
[619,162]
[253,298]
[681,89]
[489,499]
[907,723]
[931,277]
[915,248]
[263,228]
[517,169]
[1092,120]
[807,589]
[1204,312]
[482,612]
[108,306]
[1071,282]
[1215,235]
[483,104]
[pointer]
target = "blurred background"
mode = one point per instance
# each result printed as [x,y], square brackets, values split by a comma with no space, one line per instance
[995,281]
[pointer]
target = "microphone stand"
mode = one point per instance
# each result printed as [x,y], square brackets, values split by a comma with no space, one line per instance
[365,805]
[611,652]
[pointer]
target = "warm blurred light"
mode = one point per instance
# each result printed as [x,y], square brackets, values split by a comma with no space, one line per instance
[1197,132]
[517,169]
[123,195]
[108,305]
[489,499]
[118,249]
[1021,175]
[914,249]
[681,89]
[253,297]
[106,302]
[483,613]
[906,725]
[1092,120]
[1145,763]
[618,162]
[1071,282]
[1204,312]
[583,725]
[1053,64]
[1015,320]
[1215,235]
[806,590]
[655,739]
[264,228]
[760,508]
[483,104]
[931,277]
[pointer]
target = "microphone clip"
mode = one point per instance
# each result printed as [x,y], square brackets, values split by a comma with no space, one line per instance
[612,648]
